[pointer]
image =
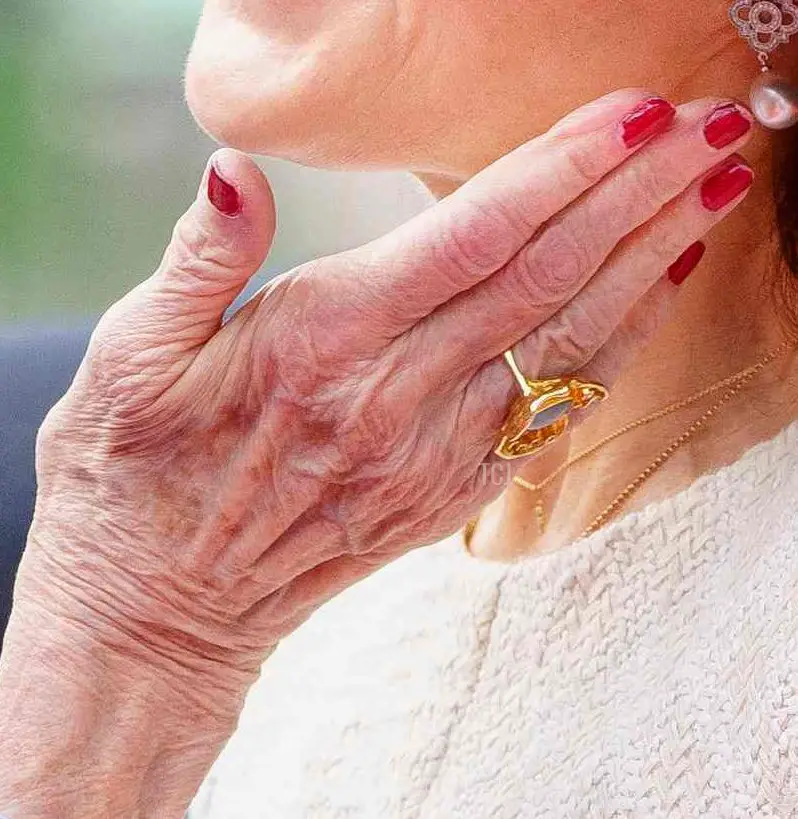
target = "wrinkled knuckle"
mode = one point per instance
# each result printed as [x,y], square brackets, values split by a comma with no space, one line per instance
[648,188]
[197,254]
[572,339]
[564,347]
[510,216]
[189,239]
[585,165]
[566,352]
[585,322]
[467,250]
[482,243]
[553,267]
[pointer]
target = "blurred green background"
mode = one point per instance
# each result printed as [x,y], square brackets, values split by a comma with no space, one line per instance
[99,156]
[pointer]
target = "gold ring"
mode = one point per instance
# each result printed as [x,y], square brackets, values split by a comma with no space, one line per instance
[540,414]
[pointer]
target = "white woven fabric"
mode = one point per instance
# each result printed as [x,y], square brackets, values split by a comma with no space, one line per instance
[650,670]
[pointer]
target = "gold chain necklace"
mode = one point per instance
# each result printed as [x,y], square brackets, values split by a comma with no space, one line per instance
[733,384]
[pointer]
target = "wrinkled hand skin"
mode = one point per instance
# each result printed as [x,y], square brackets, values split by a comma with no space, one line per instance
[205,486]
[190,499]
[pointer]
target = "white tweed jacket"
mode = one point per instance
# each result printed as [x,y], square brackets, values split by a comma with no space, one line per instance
[650,670]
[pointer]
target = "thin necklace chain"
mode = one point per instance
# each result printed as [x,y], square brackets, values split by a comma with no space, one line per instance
[733,384]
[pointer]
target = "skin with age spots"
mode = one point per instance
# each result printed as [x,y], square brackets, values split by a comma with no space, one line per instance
[204,487]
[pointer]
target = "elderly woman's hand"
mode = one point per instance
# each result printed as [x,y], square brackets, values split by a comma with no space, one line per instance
[203,486]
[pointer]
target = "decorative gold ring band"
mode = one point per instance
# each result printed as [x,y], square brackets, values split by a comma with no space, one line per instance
[540,414]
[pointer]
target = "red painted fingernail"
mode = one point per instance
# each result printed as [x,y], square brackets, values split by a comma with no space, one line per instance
[726,124]
[727,183]
[223,196]
[686,263]
[650,117]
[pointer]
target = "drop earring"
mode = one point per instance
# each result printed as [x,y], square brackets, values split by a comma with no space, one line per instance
[767,24]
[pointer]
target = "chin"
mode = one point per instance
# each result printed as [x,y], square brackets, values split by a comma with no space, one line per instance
[246,108]
[303,126]
[329,105]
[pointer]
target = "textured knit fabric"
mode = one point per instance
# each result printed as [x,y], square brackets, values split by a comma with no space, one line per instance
[650,670]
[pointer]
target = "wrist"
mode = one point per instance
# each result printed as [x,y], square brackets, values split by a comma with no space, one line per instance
[96,726]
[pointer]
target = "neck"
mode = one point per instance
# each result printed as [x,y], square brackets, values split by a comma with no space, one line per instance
[726,320]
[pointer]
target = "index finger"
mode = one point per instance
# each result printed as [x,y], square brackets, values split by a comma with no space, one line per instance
[405,275]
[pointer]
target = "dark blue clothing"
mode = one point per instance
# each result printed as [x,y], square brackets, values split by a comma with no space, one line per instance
[36,367]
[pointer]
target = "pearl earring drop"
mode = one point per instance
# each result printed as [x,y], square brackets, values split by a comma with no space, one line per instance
[767,24]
